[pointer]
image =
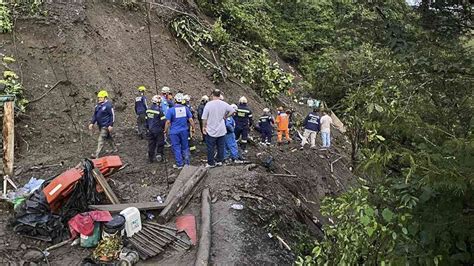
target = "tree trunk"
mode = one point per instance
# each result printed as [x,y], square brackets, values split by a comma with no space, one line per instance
[204,250]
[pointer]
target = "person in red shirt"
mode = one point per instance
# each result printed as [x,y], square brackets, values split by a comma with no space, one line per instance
[282,121]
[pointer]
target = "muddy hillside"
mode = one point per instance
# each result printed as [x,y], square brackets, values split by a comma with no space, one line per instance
[64,58]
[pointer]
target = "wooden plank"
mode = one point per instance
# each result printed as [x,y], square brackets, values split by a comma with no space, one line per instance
[142,206]
[182,197]
[107,189]
[8,138]
[183,177]
[204,250]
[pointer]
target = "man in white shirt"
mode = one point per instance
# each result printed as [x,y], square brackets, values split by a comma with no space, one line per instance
[326,122]
[213,120]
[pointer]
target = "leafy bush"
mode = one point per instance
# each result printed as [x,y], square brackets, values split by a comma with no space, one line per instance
[10,84]
[251,65]
[6,25]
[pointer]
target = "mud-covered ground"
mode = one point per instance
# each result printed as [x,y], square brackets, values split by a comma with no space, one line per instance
[97,44]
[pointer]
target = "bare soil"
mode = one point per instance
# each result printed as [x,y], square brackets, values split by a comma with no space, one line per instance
[97,44]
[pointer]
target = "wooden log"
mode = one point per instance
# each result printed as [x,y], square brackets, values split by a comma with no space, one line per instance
[284,175]
[8,138]
[182,197]
[183,176]
[204,250]
[107,189]
[142,206]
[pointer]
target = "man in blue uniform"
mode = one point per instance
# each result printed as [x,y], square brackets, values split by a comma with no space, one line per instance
[265,124]
[104,116]
[200,110]
[178,120]
[187,103]
[311,128]
[155,123]
[165,101]
[231,148]
[243,121]
[140,111]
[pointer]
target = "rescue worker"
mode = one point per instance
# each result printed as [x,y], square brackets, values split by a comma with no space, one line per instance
[178,121]
[231,148]
[311,128]
[165,101]
[104,116]
[200,110]
[156,121]
[187,103]
[282,121]
[140,111]
[243,121]
[265,125]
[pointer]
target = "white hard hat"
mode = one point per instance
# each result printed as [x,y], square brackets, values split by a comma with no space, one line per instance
[179,97]
[234,106]
[165,89]
[243,99]
[205,98]
[156,99]
[187,97]
[266,110]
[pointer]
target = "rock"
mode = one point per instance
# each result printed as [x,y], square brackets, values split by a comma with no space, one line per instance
[23,246]
[33,256]
[125,197]
[236,197]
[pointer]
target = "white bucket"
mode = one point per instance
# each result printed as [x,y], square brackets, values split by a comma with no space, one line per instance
[133,222]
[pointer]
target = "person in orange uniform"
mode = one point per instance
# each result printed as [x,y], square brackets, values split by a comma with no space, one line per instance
[282,121]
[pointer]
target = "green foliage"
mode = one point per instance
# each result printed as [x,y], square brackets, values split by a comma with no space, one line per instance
[10,84]
[6,24]
[219,35]
[215,50]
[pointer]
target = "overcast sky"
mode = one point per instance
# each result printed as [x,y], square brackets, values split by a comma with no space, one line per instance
[413,2]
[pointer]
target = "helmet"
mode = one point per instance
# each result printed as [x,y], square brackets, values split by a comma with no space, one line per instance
[234,106]
[205,98]
[141,88]
[102,94]
[243,99]
[187,97]
[156,99]
[165,90]
[179,97]
[280,109]
[266,110]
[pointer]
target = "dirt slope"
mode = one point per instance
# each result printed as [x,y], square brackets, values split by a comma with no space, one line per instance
[96,44]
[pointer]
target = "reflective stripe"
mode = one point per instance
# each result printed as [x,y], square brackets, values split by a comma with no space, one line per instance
[243,110]
[153,111]
[244,141]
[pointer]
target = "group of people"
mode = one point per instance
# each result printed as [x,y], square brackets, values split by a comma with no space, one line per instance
[171,119]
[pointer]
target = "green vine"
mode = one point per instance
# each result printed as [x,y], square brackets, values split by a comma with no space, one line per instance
[229,59]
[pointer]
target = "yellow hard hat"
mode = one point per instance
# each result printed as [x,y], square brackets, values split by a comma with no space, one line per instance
[102,94]
[141,88]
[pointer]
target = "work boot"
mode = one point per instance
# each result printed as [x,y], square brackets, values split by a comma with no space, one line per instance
[210,165]
[177,167]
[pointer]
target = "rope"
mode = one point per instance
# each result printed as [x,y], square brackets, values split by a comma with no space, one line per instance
[151,47]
